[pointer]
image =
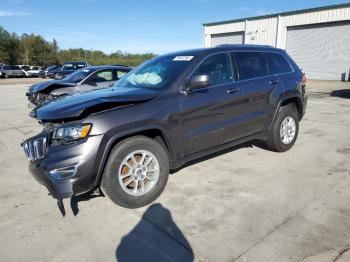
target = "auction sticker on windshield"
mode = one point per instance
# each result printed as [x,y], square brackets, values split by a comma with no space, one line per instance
[183,58]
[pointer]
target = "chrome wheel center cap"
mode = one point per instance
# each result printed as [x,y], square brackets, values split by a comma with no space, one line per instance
[138,173]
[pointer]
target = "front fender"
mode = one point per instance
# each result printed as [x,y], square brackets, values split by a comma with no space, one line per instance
[62,91]
[110,140]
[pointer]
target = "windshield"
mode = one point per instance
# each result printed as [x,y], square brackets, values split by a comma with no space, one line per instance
[155,73]
[79,75]
[14,67]
[73,66]
[26,68]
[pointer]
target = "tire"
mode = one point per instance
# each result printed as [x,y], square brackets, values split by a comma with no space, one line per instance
[275,141]
[111,184]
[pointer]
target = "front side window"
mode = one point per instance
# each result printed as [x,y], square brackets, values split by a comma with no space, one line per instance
[78,75]
[218,67]
[156,73]
[120,74]
[102,76]
[277,63]
[251,65]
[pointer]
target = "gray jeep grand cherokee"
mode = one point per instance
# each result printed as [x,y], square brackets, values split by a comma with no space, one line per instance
[170,110]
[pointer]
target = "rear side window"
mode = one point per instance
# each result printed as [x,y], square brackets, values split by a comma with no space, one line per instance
[218,67]
[251,65]
[277,63]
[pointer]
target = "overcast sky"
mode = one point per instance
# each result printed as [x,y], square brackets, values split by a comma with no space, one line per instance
[156,26]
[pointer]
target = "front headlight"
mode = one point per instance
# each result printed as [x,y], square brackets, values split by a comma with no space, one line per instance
[72,132]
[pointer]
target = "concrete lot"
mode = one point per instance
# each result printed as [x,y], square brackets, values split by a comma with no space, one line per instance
[247,204]
[22,80]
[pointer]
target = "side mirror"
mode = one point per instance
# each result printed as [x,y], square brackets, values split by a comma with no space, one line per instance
[198,82]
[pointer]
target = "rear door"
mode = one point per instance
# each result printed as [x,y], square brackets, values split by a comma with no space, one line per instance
[257,87]
[211,116]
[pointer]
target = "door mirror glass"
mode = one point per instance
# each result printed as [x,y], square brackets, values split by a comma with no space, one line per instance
[199,81]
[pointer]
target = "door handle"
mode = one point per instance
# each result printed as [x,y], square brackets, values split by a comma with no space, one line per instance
[274,81]
[233,90]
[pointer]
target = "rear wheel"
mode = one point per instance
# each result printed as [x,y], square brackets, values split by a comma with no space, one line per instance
[136,172]
[284,130]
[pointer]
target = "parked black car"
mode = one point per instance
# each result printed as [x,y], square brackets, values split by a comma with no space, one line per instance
[69,67]
[168,111]
[49,71]
[83,80]
[52,73]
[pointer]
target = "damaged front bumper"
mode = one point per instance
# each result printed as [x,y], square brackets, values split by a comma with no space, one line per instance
[64,169]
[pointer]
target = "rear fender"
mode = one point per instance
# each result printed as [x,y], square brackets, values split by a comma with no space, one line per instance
[292,97]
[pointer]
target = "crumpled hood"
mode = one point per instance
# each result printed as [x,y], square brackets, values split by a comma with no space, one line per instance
[43,85]
[73,106]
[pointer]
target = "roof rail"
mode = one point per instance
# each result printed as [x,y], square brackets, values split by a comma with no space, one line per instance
[243,45]
[121,65]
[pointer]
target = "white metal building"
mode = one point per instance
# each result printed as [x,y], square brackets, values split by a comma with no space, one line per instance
[318,39]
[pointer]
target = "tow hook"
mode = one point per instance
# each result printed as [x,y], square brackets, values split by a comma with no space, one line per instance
[61,207]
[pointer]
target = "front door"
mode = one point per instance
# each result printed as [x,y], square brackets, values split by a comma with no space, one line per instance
[209,114]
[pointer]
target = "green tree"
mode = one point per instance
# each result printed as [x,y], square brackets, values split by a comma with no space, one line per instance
[33,49]
[8,47]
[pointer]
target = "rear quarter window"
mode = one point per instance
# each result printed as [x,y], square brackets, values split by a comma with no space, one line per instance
[277,63]
[251,65]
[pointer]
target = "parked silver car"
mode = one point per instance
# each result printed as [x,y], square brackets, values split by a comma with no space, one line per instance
[80,81]
[11,71]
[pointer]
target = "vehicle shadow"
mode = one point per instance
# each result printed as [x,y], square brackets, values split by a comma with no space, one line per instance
[80,198]
[343,93]
[155,238]
[251,144]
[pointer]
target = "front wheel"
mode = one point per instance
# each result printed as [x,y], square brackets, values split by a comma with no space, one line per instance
[136,172]
[284,130]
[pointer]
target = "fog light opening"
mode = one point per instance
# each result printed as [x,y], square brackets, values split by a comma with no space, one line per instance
[62,173]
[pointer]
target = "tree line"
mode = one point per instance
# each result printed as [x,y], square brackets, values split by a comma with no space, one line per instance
[31,49]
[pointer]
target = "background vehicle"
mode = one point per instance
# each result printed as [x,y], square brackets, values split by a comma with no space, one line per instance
[168,111]
[34,71]
[70,67]
[49,71]
[30,71]
[82,80]
[11,71]
[25,69]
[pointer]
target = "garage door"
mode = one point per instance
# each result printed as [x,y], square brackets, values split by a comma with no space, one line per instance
[322,50]
[230,38]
